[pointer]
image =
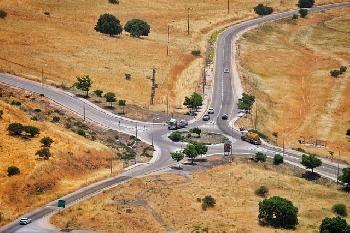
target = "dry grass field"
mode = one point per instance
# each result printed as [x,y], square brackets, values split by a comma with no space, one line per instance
[75,162]
[286,65]
[66,42]
[168,202]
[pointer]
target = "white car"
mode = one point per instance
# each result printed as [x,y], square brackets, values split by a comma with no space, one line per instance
[25,221]
[226,70]
[211,111]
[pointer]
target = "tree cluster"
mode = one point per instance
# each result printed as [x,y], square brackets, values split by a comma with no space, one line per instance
[261,9]
[246,102]
[336,73]
[109,24]
[17,129]
[334,225]
[306,3]
[194,101]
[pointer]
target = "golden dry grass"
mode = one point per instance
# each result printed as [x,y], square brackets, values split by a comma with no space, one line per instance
[68,44]
[286,65]
[76,161]
[169,202]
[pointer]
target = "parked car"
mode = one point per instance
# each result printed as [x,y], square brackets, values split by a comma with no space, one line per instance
[211,111]
[226,70]
[206,117]
[182,124]
[224,117]
[193,113]
[25,221]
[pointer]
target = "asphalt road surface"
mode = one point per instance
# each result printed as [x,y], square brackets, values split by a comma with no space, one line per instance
[226,92]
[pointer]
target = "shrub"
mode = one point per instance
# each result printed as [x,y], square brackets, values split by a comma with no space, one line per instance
[81,132]
[278,212]
[108,24]
[2,113]
[16,103]
[197,131]
[113,1]
[137,28]
[295,16]
[303,12]
[345,176]
[37,110]
[342,69]
[98,93]
[277,159]
[31,130]
[262,191]
[175,136]
[196,53]
[208,202]
[260,157]
[46,141]
[44,153]
[56,119]
[13,170]
[340,209]
[306,3]
[263,10]
[334,225]
[127,76]
[3,14]
[34,118]
[335,73]
[15,128]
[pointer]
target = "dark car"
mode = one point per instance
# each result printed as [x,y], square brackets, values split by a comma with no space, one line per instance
[206,117]
[224,117]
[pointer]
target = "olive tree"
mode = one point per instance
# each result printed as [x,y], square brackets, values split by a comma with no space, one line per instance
[109,24]
[137,28]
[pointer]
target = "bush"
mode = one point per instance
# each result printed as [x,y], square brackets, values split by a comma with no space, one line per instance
[44,153]
[13,170]
[343,69]
[278,212]
[127,76]
[2,113]
[347,132]
[81,132]
[303,13]
[3,14]
[34,118]
[262,191]
[340,209]
[16,103]
[260,157]
[15,128]
[197,131]
[196,53]
[263,10]
[113,1]
[306,3]
[31,130]
[46,141]
[278,159]
[175,136]
[37,110]
[345,176]
[334,225]
[335,73]
[108,24]
[295,16]
[137,28]
[56,119]
[208,202]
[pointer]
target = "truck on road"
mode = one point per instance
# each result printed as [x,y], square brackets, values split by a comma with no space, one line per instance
[252,138]
[174,124]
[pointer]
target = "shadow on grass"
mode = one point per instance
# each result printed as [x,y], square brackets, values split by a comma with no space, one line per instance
[311,176]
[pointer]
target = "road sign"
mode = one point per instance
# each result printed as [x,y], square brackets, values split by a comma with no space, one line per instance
[62,203]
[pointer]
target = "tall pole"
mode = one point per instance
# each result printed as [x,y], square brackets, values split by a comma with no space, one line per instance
[228,6]
[42,80]
[84,111]
[136,130]
[111,165]
[338,166]
[188,21]
[152,132]
[153,88]
[167,47]
[204,81]
[283,145]
[167,104]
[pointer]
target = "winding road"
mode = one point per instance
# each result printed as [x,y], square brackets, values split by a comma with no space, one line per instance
[226,91]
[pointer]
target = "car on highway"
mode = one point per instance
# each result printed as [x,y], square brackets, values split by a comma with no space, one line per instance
[226,70]
[25,221]
[224,117]
[211,111]
[206,117]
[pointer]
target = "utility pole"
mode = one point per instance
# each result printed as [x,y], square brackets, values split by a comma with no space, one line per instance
[167,104]
[167,47]
[154,86]
[283,144]
[188,21]
[204,81]
[42,79]
[256,116]
[338,167]
[111,165]
[84,110]
[136,130]
[228,6]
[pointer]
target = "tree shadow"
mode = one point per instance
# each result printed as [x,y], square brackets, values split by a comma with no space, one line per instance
[311,176]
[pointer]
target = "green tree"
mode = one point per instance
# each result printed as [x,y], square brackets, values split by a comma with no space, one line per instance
[263,10]
[201,148]
[277,159]
[260,157]
[177,156]
[191,152]
[47,141]
[110,97]
[340,209]
[348,132]
[334,225]
[15,128]
[175,136]
[197,131]
[194,101]
[31,130]
[310,162]
[44,153]
[122,103]
[98,93]
[108,24]
[278,212]
[306,3]
[345,176]
[246,102]
[13,170]
[208,202]
[83,83]
[303,12]
[137,28]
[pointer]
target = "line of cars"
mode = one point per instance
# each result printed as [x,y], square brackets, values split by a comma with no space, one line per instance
[206,117]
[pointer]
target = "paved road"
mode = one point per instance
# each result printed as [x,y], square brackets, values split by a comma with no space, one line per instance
[226,93]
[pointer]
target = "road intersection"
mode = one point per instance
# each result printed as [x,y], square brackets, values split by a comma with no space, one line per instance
[226,91]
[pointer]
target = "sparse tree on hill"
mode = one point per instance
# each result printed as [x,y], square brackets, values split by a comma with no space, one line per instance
[343,69]
[44,153]
[263,10]
[190,152]
[208,202]
[246,102]
[13,170]
[31,130]
[303,12]
[98,93]
[109,24]
[83,83]
[197,131]
[345,177]
[15,129]
[177,156]
[113,1]
[137,28]
[340,209]
[3,14]
[348,132]
[46,141]
[194,101]
[306,3]
[335,73]
[310,162]
[122,103]
[334,225]
[1,113]
[110,98]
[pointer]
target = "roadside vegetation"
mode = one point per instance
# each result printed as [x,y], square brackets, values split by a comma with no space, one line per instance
[196,135]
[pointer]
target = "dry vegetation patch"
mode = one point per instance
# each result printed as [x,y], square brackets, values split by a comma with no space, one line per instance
[287,65]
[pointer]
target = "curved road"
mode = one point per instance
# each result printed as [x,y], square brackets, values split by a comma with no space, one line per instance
[226,93]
